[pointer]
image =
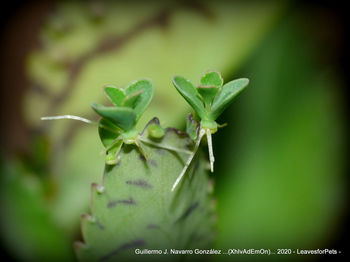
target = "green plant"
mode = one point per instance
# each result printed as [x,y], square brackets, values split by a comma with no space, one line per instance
[134,207]
[208,100]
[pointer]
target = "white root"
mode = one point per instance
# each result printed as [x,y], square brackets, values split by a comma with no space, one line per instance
[68,117]
[82,119]
[210,148]
[189,160]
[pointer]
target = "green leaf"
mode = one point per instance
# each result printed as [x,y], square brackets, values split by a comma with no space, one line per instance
[146,90]
[108,131]
[132,100]
[135,208]
[212,78]
[208,93]
[225,96]
[115,94]
[189,92]
[122,117]
[209,86]
[112,153]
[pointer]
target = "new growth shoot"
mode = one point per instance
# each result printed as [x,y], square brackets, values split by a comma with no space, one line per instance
[209,99]
[117,125]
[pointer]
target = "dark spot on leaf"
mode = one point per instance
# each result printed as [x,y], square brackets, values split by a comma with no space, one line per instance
[188,211]
[176,131]
[153,226]
[129,201]
[86,217]
[153,163]
[126,246]
[142,158]
[160,151]
[100,226]
[140,183]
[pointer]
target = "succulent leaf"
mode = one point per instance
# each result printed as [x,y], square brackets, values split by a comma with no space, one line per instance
[123,117]
[212,78]
[132,100]
[208,94]
[189,92]
[139,94]
[225,96]
[115,94]
[113,152]
[107,131]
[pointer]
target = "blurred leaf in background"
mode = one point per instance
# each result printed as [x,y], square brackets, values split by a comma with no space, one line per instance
[280,180]
[26,220]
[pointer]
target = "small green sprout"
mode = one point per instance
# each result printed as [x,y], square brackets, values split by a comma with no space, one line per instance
[209,99]
[118,123]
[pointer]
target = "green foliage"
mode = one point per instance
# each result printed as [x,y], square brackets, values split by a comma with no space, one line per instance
[209,86]
[134,207]
[136,96]
[129,103]
[122,117]
[118,123]
[188,91]
[208,100]
[225,96]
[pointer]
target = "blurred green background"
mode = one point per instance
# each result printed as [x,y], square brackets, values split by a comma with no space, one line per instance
[280,163]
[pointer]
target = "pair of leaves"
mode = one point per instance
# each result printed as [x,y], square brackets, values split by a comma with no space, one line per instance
[211,97]
[129,104]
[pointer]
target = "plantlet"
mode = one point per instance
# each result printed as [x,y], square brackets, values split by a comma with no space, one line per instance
[118,123]
[209,99]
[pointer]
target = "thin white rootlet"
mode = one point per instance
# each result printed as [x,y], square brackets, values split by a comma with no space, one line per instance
[210,148]
[78,118]
[68,117]
[189,160]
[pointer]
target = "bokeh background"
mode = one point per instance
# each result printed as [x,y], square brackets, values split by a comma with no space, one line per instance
[280,179]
